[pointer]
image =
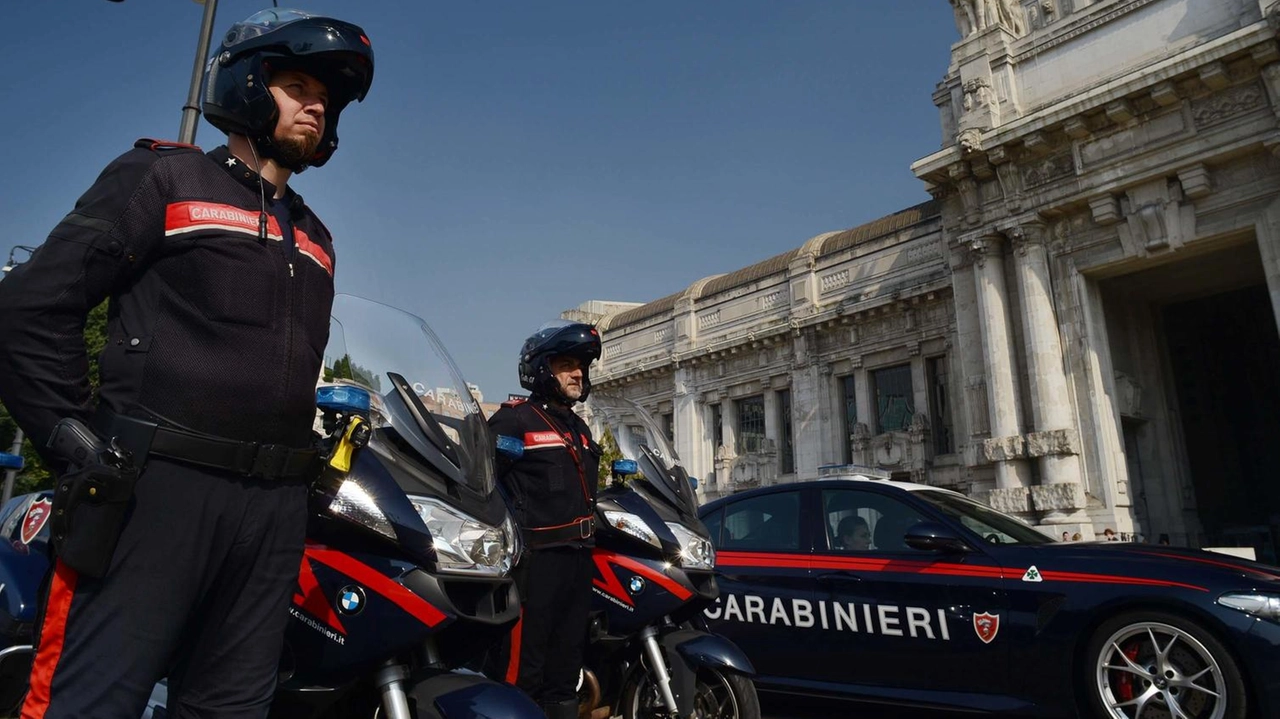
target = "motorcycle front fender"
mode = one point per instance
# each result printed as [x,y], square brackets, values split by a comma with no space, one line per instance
[471,696]
[702,649]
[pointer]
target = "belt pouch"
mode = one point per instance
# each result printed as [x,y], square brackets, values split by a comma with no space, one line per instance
[90,506]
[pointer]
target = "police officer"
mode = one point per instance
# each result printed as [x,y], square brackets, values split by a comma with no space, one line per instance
[220,281]
[552,488]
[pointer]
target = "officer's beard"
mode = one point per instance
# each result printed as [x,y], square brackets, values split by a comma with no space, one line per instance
[296,151]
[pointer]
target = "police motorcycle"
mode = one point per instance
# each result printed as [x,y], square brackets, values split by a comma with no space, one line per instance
[409,548]
[648,654]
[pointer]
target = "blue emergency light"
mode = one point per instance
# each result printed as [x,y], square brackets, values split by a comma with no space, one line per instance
[342,398]
[510,446]
[11,461]
[625,467]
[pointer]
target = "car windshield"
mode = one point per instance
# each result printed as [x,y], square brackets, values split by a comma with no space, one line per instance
[993,526]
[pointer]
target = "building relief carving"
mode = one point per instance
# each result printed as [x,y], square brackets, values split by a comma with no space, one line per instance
[1143,137]
[974,16]
[1048,169]
[1224,105]
[835,280]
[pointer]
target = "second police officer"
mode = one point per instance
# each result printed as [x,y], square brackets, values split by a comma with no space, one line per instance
[552,488]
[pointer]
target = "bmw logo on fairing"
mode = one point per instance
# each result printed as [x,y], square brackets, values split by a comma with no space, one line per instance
[350,599]
[637,585]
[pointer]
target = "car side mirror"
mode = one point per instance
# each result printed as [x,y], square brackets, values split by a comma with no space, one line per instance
[935,537]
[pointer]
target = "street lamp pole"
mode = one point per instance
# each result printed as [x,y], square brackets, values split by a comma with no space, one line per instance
[14,461]
[11,474]
[191,111]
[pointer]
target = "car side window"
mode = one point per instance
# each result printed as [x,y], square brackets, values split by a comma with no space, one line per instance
[860,521]
[767,522]
[712,522]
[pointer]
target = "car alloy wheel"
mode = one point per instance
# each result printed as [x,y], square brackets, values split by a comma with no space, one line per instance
[1154,666]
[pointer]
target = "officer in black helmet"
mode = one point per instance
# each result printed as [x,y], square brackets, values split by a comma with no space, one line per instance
[553,490]
[177,552]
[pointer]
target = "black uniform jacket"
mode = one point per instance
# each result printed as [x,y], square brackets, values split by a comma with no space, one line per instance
[554,483]
[210,327]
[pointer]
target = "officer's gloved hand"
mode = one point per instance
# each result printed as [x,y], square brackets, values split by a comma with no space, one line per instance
[91,498]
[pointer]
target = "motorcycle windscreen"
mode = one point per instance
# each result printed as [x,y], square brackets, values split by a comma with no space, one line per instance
[415,388]
[639,437]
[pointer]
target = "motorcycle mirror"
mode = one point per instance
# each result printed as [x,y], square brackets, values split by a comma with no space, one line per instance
[510,447]
[625,467]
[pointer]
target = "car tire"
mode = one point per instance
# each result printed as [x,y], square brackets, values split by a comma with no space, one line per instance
[714,690]
[1139,662]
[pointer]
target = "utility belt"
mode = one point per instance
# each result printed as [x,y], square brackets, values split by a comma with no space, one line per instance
[248,459]
[579,529]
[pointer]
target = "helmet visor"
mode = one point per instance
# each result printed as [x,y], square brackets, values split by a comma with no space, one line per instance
[261,23]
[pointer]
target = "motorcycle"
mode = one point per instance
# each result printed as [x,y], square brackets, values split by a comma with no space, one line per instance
[406,570]
[648,654]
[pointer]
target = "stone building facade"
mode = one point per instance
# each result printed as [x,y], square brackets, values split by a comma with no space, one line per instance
[1079,328]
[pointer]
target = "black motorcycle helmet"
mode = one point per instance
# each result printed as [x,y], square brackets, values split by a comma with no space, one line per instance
[236,98]
[555,339]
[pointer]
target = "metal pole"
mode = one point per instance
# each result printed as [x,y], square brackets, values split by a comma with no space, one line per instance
[11,474]
[191,111]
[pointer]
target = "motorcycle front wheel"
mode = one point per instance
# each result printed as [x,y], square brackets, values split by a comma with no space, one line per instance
[717,695]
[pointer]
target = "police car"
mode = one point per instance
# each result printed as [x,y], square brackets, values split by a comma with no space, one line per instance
[905,594]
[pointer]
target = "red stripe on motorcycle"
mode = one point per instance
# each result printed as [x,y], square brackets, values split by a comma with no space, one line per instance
[681,592]
[513,663]
[608,581]
[311,598]
[378,582]
[52,635]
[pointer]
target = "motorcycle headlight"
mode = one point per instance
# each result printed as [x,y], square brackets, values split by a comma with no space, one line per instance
[633,525]
[464,544]
[1266,606]
[695,552]
[354,504]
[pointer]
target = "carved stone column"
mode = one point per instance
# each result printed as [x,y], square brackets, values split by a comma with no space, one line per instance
[690,442]
[1054,442]
[1005,448]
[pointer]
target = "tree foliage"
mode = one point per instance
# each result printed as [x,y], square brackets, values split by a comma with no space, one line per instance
[610,452]
[34,475]
[344,368]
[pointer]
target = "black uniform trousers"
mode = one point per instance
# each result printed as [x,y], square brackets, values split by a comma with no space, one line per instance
[198,591]
[552,632]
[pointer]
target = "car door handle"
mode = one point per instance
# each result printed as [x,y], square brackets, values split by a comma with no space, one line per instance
[838,578]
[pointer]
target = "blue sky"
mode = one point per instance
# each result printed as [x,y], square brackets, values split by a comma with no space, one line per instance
[515,158]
